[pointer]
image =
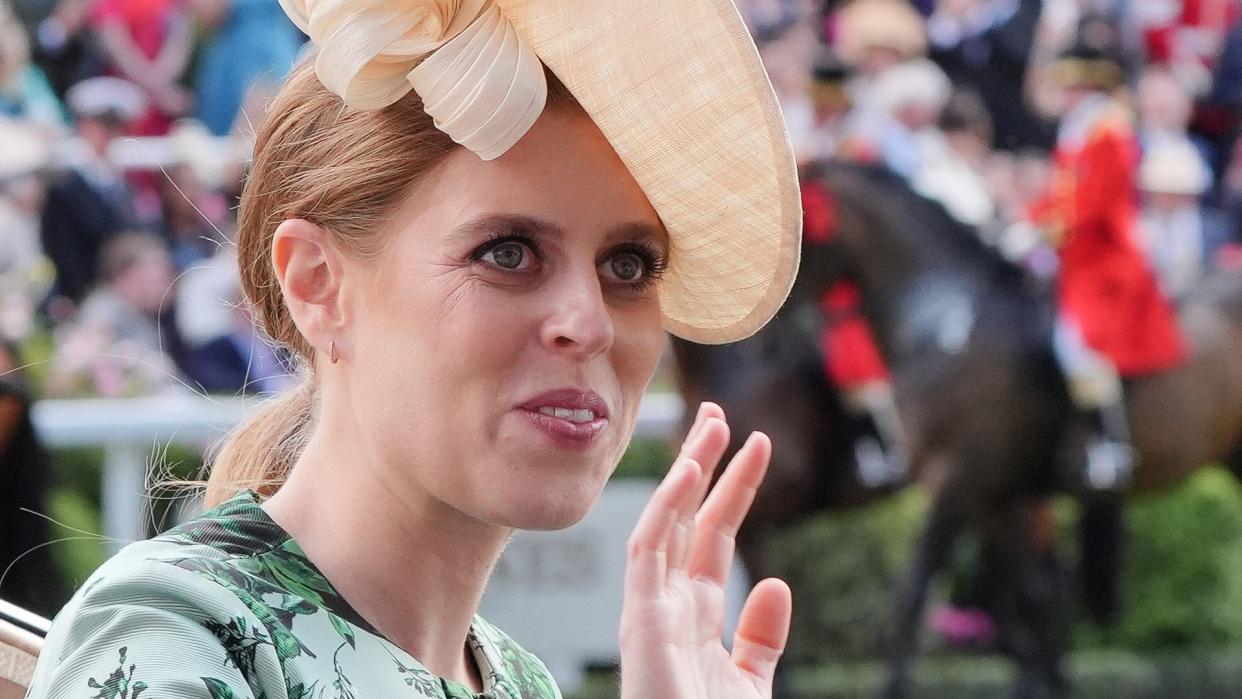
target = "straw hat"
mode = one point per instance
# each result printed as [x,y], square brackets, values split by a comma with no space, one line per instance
[676,86]
[889,24]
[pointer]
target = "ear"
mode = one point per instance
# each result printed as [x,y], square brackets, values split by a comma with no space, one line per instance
[309,268]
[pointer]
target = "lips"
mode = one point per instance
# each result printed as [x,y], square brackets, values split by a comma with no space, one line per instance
[569,418]
[569,404]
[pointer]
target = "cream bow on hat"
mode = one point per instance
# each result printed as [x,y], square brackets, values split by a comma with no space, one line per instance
[675,85]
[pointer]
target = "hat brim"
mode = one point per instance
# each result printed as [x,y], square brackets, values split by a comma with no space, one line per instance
[678,89]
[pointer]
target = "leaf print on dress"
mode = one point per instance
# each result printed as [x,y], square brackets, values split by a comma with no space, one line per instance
[287,566]
[344,688]
[240,641]
[419,678]
[525,671]
[218,689]
[233,527]
[248,589]
[120,684]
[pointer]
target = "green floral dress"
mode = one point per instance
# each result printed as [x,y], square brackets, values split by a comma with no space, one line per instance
[228,606]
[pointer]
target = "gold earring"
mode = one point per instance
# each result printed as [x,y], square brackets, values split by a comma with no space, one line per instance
[332,352]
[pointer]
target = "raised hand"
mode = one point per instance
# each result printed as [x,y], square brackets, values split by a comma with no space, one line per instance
[679,557]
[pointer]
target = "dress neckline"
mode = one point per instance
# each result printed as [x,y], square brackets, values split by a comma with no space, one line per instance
[241,527]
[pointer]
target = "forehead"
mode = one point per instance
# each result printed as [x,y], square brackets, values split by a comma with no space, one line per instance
[563,172]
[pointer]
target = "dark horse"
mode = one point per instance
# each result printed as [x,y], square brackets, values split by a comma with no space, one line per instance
[991,426]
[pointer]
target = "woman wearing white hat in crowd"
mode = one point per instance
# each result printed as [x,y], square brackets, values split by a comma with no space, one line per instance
[473,222]
[1179,234]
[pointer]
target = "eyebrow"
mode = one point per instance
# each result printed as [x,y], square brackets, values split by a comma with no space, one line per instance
[490,223]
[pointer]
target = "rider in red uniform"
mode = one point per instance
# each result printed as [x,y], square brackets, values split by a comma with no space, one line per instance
[1114,321]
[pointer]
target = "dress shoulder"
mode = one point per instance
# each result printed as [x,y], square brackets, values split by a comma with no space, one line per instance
[144,622]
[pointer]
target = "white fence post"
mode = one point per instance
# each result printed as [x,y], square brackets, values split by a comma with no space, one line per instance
[124,490]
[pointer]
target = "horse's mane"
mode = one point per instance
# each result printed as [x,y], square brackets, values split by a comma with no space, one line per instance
[919,222]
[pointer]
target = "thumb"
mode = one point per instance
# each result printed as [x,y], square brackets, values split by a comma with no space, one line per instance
[762,630]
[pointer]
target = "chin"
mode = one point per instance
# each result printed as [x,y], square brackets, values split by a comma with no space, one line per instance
[549,508]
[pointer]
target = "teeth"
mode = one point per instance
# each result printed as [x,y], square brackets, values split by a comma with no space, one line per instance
[581,415]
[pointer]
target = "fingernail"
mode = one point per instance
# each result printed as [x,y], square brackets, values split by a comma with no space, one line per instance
[698,417]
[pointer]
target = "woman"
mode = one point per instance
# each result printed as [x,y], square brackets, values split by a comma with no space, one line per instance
[479,322]
[250,42]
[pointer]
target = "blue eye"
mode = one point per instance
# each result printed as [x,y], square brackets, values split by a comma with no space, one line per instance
[507,255]
[511,253]
[627,267]
[636,265]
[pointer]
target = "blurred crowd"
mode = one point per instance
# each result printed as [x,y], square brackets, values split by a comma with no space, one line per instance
[961,98]
[124,128]
[125,124]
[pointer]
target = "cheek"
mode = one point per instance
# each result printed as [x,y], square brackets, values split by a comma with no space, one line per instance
[439,341]
[639,344]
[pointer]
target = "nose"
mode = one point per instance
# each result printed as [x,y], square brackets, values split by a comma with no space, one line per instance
[579,323]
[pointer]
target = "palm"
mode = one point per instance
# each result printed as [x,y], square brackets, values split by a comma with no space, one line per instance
[679,558]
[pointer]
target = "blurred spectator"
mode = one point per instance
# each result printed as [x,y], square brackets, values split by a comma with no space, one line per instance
[898,124]
[817,125]
[124,340]
[91,201]
[875,35]
[986,45]
[1179,235]
[250,41]
[26,153]
[1016,181]
[1185,36]
[954,158]
[1164,105]
[66,47]
[225,352]
[148,42]
[25,478]
[24,91]
[1165,110]
[1227,82]
[193,216]
[788,49]
[1101,24]
[136,290]
[24,274]
[1230,195]
[768,20]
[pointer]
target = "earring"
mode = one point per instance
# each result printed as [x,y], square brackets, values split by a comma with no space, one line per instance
[332,352]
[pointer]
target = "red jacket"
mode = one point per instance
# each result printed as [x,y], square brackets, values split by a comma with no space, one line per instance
[1105,283]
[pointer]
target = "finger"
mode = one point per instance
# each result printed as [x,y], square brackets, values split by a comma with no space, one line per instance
[762,631]
[722,514]
[647,567]
[707,447]
[703,411]
[706,409]
[686,506]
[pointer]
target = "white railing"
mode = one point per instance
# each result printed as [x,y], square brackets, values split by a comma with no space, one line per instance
[131,431]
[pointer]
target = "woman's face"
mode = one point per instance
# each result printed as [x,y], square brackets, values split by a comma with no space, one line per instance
[508,328]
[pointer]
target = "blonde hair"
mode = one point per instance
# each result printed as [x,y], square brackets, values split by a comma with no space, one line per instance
[344,170]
